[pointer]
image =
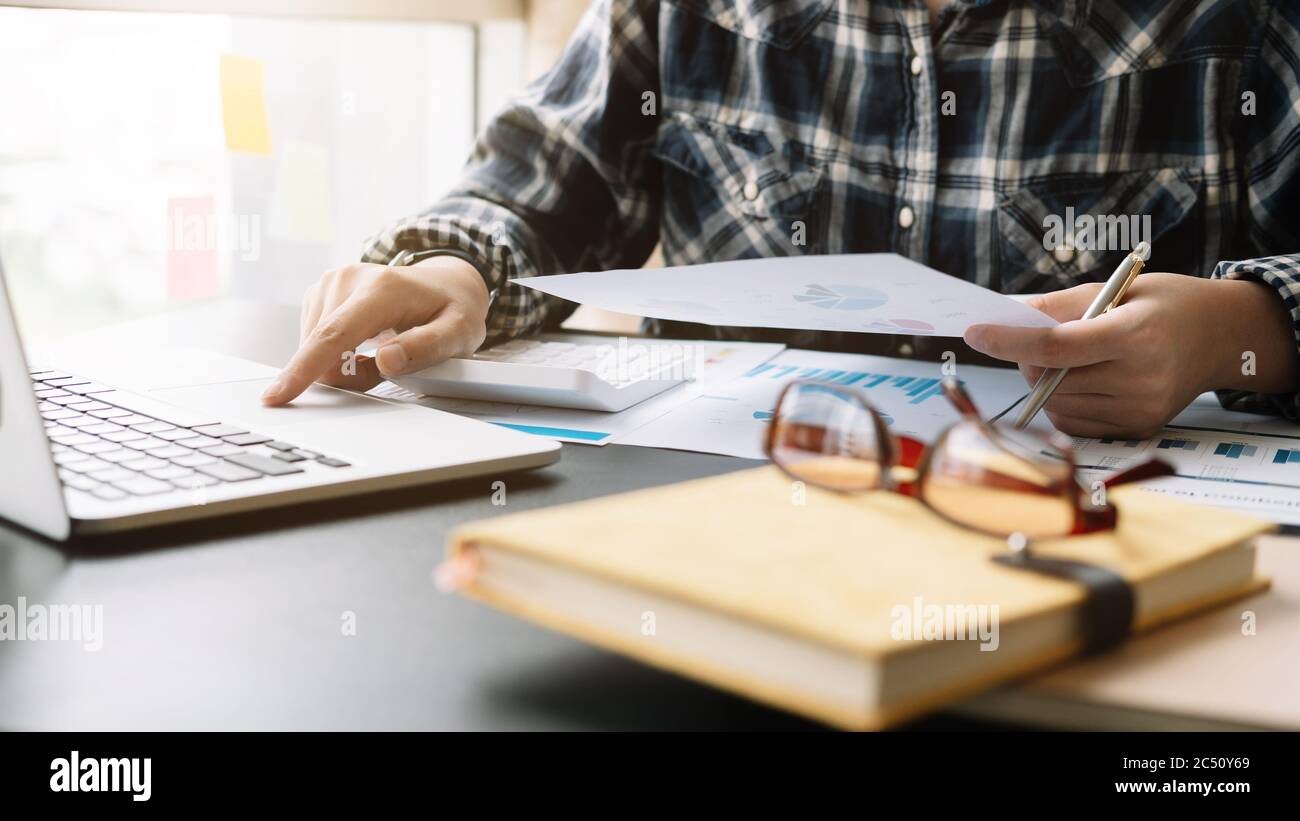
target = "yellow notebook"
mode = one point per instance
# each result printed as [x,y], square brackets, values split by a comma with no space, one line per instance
[860,611]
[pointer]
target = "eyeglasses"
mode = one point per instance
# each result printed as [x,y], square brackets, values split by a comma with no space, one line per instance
[994,480]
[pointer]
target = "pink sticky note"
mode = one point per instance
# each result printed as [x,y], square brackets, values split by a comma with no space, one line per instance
[192,265]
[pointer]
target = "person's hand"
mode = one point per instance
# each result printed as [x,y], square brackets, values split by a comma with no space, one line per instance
[1136,366]
[437,308]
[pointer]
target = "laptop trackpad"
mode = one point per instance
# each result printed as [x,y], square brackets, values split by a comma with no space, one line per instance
[241,402]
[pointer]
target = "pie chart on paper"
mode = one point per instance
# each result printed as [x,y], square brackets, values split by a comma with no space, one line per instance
[842,297]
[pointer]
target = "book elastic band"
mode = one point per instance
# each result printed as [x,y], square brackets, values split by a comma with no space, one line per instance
[1108,607]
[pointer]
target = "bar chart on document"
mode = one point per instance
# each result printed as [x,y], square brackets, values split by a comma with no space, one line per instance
[1242,461]
[914,390]
[730,418]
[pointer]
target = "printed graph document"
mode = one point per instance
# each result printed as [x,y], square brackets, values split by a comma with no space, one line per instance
[867,293]
[731,418]
[713,363]
[1243,461]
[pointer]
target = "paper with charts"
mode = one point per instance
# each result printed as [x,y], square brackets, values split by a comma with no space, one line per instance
[866,293]
[730,418]
[1241,461]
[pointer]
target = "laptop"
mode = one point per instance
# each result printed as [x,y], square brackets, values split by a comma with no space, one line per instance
[108,440]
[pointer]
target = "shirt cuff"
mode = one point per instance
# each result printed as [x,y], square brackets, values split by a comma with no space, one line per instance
[1282,274]
[407,257]
[491,238]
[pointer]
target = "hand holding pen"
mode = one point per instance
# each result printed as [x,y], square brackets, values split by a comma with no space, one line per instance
[1111,294]
[1137,365]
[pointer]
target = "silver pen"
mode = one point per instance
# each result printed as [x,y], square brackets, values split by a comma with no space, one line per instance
[1110,295]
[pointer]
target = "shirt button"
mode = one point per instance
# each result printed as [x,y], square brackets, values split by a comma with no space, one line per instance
[918,65]
[750,190]
[1063,254]
[906,216]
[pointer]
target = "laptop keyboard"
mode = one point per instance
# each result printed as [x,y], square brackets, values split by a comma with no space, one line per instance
[115,445]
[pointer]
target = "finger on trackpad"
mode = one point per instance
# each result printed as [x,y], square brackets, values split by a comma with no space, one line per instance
[242,401]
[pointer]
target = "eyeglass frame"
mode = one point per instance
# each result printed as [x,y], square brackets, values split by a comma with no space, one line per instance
[1087,518]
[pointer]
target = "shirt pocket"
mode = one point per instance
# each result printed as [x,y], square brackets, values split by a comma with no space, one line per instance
[730,194]
[1098,40]
[1073,230]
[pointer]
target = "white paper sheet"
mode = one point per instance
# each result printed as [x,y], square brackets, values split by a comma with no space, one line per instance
[716,363]
[731,418]
[867,293]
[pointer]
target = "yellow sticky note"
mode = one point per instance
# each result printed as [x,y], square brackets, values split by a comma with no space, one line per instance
[302,205]
[243,104]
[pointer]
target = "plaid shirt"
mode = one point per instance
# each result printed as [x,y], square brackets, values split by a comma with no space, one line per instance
[725,129]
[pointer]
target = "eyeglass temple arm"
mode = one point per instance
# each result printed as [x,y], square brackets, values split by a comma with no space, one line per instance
[1090,519]
[960,399]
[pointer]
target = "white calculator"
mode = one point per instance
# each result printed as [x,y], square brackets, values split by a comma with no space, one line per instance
[587,374]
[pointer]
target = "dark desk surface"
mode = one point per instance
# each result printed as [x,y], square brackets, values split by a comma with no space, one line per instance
[238,623]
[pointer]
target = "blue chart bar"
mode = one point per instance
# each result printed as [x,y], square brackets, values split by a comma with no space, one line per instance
[1128,443]
[923,389]
[564,433]
[1234,450]
[1178,444]
[933,390]
[1284,456]
[918,389]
